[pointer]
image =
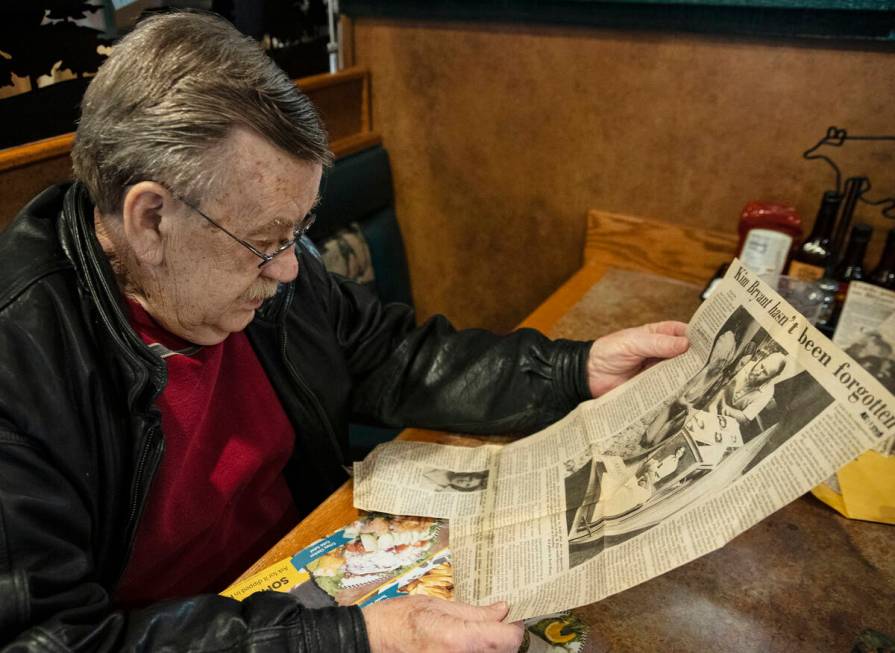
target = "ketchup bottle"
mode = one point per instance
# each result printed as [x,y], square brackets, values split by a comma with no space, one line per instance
[768,233]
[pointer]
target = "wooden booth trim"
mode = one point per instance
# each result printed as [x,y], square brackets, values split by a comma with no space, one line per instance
[355,143]
[36,151]
[59,146]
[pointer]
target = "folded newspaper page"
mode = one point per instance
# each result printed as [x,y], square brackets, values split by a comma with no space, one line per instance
[664,469]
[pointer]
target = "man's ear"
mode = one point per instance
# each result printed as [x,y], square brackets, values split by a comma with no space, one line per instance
[144,207]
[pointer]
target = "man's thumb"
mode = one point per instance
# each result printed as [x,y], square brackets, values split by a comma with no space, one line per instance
[658,345]
[498,610]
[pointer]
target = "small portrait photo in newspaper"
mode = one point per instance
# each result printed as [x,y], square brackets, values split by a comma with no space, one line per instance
[445,480]
[749,397]
[874,352]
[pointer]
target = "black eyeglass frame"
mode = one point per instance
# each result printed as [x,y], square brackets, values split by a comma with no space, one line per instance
[300,230]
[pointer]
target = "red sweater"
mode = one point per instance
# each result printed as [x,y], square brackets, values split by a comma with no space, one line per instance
[219,499]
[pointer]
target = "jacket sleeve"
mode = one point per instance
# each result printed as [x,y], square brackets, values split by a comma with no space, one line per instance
[435,376]
[51,598]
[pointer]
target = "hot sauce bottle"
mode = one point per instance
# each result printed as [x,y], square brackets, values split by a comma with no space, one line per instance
[830,284]
[850,268]
[812,257]
[884,274]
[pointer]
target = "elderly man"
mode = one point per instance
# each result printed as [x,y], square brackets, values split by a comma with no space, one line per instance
[178,374]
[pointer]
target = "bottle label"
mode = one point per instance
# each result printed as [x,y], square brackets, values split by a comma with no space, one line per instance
[765,252]
[805,271]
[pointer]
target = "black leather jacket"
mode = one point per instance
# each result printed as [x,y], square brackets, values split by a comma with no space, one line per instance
[80,438]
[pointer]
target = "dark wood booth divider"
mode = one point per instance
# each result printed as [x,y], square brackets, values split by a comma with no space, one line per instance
[343,99]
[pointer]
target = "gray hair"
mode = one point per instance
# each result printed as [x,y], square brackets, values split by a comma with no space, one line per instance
[162,105]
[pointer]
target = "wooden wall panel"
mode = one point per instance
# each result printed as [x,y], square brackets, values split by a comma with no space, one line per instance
[503,137]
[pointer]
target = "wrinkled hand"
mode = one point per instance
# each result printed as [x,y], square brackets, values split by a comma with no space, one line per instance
[422,623]
[617,357]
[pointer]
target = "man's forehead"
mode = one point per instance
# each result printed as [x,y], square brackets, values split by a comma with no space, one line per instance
[274,199]
[284,218]
[277,185]
[262,174]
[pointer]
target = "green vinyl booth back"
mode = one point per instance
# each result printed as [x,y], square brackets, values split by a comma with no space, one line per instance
[357,198]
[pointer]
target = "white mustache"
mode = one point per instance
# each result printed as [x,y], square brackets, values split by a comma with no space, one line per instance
[261,289]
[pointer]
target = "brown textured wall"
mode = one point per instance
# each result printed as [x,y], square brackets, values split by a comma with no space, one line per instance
[502,137]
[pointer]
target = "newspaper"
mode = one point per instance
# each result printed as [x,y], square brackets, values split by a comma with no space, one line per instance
[663,469]
[865,308]
[866,331]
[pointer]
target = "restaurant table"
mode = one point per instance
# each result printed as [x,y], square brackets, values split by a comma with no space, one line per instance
[803,579]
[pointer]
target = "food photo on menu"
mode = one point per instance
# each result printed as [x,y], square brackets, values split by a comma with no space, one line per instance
[377,548]
[380,557]
[351,565]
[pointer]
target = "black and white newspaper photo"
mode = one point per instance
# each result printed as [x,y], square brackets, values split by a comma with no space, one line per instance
[664,469]
[749,397]
[449,480]
[866,330]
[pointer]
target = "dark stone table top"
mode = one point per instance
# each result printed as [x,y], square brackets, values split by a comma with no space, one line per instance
[803,579]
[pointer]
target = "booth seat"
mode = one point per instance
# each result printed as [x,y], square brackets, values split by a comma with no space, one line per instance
[357,235]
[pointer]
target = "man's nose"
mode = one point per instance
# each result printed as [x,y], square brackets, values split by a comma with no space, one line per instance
[283,268]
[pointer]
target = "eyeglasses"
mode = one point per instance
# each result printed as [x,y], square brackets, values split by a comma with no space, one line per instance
[300,230]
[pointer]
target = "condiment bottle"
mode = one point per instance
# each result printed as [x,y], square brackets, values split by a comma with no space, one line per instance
[884,274]
[854,188]
[812,257]
[833,291]
[850,268]
[768,231]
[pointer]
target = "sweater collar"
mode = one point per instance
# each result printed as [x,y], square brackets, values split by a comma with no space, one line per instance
[97,281]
